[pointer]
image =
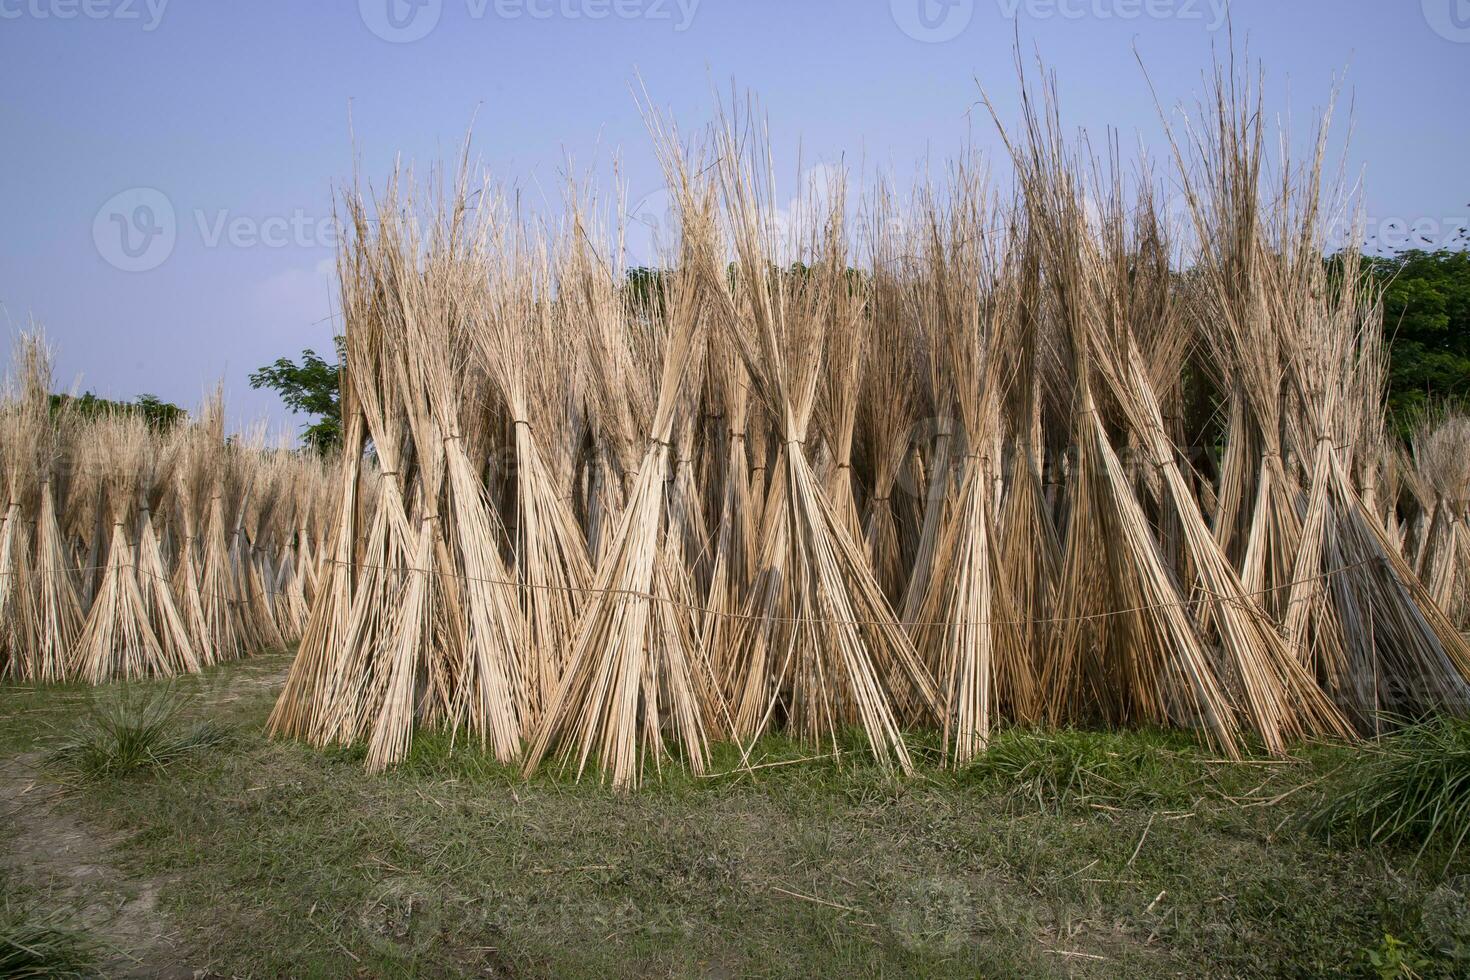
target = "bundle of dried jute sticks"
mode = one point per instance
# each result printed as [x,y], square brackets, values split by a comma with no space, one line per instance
[131,549]
[943,460]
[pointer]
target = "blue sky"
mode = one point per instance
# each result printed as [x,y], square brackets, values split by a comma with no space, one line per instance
[235,117]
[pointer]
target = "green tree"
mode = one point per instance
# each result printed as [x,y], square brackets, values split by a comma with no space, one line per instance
[311,387]
[159,414]
[1426,318]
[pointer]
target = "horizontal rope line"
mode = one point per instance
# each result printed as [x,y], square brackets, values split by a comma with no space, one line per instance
[815,620]
[212,593]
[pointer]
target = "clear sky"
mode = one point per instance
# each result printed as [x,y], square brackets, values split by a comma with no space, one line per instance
[167,167]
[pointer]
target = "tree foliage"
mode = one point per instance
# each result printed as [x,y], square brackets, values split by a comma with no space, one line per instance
[310,387]
[159,414]
[1426,319]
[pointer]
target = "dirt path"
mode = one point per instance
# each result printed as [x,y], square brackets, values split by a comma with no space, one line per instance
[66,860]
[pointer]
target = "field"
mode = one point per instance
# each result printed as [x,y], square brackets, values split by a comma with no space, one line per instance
[1069,854]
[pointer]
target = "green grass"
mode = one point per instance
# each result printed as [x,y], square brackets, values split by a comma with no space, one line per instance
[1056,854]
[137,732]
[1411,788]
[1070,768]
[35,946]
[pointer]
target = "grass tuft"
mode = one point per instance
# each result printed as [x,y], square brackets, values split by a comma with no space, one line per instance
[42,947]
[1411,788]
[134,735]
